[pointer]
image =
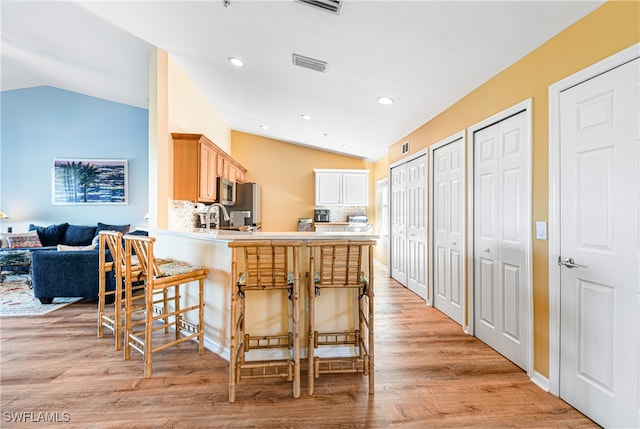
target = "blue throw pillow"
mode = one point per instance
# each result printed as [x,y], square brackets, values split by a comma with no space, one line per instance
[78,235]
[139,232]
[50,235]
[105,227]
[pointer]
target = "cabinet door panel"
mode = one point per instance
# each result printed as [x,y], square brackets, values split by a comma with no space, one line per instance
[208,164]
[355,189]
[328,189]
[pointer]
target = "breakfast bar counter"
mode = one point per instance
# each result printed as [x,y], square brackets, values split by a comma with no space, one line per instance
[209,249]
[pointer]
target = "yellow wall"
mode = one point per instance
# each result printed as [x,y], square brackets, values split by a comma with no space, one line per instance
[285,172]
[190,112]
[159,147]
[609,29]
[175,105]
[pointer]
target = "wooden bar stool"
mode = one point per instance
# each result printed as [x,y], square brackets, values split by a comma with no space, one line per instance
[339,264]
[265,266]
[112,241]
[156,312]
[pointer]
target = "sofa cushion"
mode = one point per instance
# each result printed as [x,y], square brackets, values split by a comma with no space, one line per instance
[50,235]
[24,240]
[62,247]
[78,235]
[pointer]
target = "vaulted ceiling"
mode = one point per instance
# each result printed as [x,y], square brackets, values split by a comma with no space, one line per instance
[425,55]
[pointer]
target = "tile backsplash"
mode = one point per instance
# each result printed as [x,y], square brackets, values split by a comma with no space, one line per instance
[182,215]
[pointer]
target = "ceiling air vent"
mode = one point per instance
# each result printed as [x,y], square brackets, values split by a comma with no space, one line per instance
[332,6]
[309,63]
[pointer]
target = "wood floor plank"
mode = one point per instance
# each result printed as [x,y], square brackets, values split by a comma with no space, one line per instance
[428,374]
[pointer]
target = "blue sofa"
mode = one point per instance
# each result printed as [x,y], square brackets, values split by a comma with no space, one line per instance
[69,273]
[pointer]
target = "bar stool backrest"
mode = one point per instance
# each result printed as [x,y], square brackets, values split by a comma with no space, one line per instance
[112,240]
[142,248]
[266,263]
[340,262]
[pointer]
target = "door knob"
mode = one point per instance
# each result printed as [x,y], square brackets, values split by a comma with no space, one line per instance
[453,243]
[485,250]
[569,263]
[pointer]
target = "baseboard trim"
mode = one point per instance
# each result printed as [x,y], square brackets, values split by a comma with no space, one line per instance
[540,380]
[381,265]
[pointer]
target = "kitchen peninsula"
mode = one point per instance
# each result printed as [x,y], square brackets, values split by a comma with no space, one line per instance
[210,249]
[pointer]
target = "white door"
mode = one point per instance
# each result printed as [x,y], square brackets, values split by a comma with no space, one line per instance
[502,198]
[448,223]
[399,224]
[417,226]
[599,247]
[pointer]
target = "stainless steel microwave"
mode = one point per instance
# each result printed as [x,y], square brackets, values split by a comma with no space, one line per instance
[226,191]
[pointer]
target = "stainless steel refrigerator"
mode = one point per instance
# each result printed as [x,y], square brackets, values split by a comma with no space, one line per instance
[246,210]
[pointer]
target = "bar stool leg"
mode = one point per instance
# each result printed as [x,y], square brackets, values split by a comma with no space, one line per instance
[296,323]
[233,346]
[311,325]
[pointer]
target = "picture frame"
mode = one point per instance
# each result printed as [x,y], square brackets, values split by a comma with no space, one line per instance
[89,181]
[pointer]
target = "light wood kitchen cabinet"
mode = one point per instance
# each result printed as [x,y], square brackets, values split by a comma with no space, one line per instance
[197,164]
[240,175]
[223,167]
[342,187]
[208,165]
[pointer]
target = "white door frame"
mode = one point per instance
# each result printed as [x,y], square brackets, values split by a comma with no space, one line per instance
[395,164]
[527,107]
[555,92]
[457,136]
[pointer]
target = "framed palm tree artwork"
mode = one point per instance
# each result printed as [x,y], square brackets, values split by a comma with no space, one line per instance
[89,181]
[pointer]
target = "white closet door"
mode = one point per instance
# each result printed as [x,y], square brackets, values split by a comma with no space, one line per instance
[600,247]
[399,224]
[417,226]
[501,201]
[448,222]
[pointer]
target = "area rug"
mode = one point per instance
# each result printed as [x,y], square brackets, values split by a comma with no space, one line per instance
[16,299]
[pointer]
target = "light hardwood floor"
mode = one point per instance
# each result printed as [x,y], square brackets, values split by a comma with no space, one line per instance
[429,374]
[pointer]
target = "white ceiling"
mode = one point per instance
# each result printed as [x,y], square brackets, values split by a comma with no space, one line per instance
[426,55]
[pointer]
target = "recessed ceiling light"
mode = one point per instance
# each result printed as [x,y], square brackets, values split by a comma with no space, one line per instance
[236,61]
[345,146]
[385,100]
[264,127]
[305,116]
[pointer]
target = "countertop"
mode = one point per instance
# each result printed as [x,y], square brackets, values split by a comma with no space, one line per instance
[229,235]
[343,223]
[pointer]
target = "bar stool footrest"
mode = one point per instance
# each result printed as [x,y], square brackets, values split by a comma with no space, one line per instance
[108,322]
[136,343]
[268,341]
[341,365]
[185,325]
[336,338]
[267,369]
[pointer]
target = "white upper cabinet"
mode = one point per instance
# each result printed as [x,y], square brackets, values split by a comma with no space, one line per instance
[342,187]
